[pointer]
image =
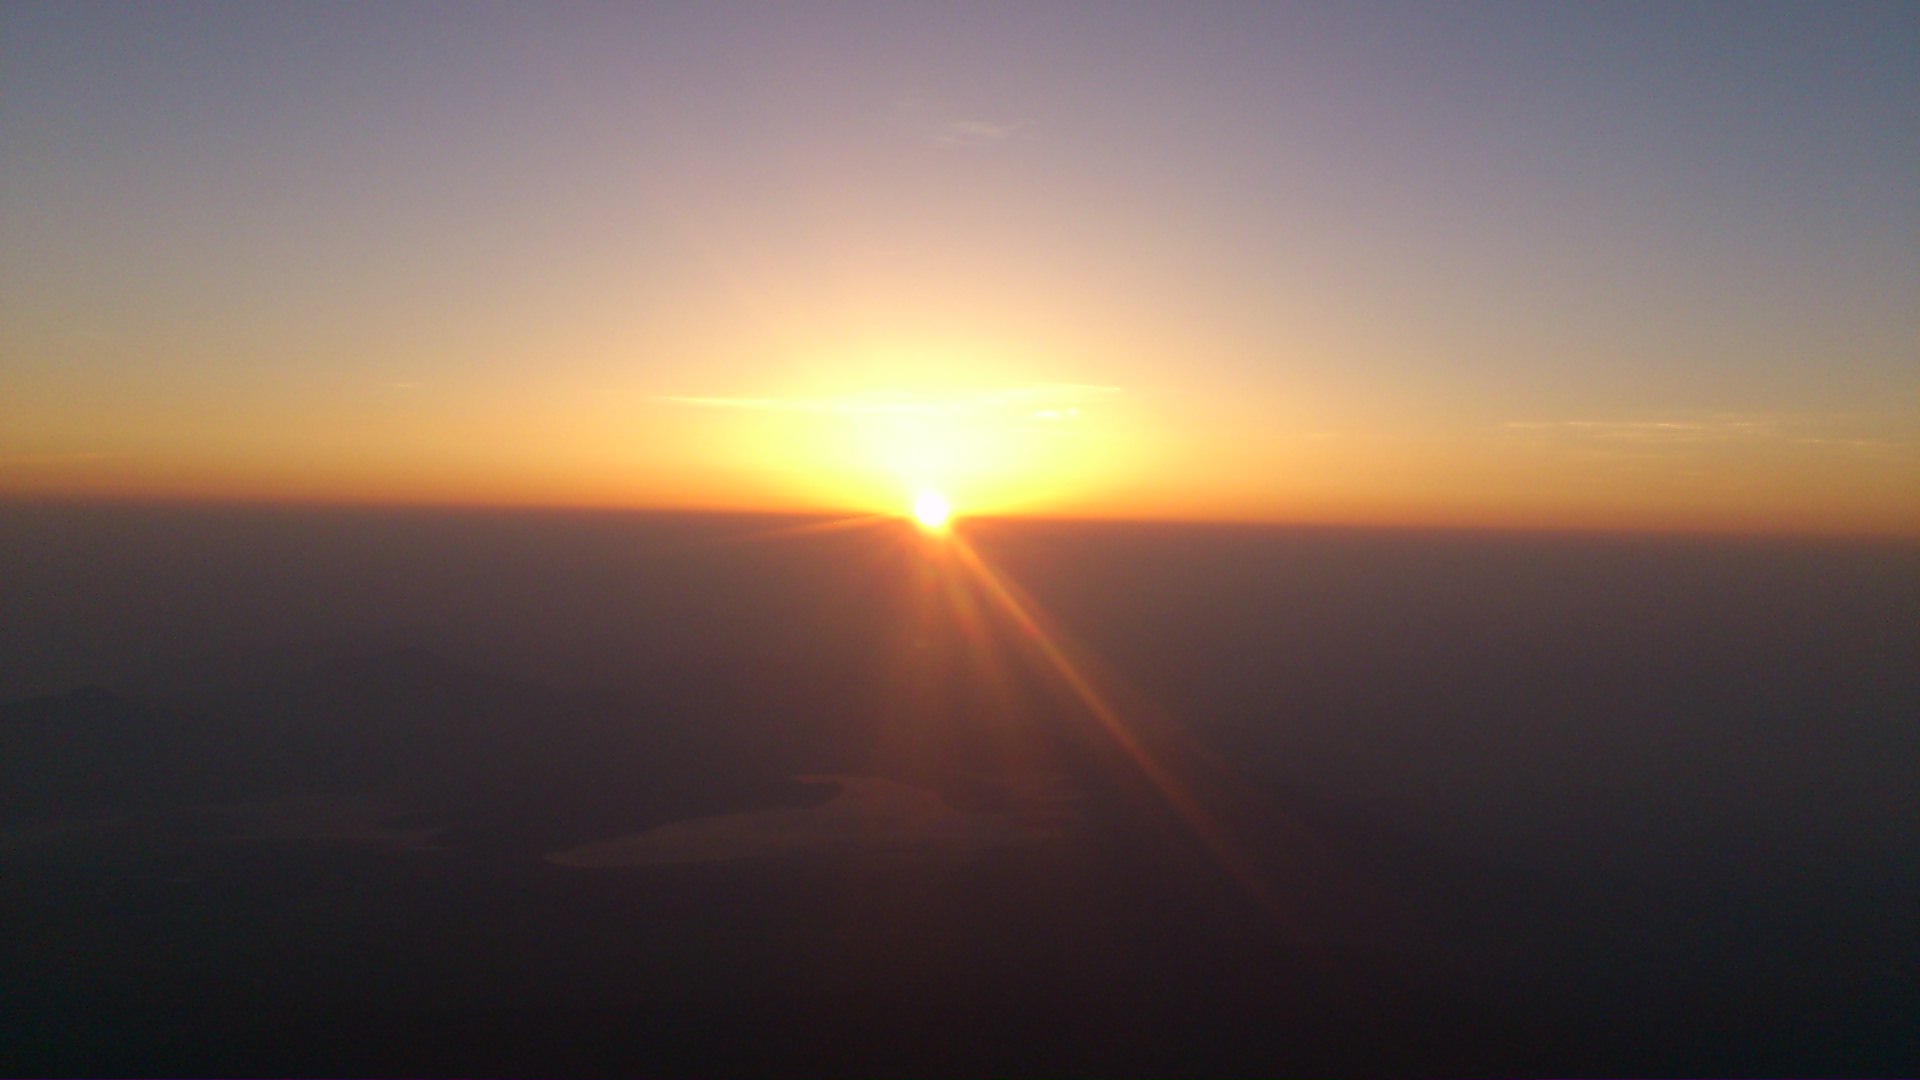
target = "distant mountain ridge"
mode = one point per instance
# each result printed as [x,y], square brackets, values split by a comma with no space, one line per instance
[492,757]
[90,752]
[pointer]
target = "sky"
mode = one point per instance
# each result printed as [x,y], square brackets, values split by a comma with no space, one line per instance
[1620,266]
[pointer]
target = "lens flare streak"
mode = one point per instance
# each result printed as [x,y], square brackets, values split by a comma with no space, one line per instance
[1179,796]
[999,630]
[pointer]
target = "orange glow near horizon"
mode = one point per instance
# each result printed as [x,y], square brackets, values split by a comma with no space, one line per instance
[1011,448]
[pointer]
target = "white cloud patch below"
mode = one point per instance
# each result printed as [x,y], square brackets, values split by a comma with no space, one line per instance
[866,816]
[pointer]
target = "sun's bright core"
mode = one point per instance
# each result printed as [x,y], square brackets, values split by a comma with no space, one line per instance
[930,511]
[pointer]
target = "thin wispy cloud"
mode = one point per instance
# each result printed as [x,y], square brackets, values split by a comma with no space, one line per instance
[981,132]
[31,461]
[1050,402]
[1678,432]
[942,126]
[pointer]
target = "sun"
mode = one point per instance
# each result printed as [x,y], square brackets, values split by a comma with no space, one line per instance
[931,511]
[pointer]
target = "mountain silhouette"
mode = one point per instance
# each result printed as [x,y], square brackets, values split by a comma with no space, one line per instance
[489,757]
[91,752]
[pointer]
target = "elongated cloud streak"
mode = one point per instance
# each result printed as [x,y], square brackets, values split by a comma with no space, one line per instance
[1045,401]
[1841,430]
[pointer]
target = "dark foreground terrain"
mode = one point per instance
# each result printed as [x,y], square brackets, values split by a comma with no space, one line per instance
[330,792]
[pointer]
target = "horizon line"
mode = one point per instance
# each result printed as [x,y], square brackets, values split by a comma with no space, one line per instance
[27,500]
